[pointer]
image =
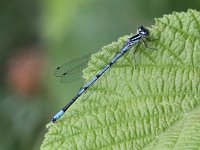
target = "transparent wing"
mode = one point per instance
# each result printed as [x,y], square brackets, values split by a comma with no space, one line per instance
[72,70]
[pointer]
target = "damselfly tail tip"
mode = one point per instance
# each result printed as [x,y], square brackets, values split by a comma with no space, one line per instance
[53,120]
[57,116]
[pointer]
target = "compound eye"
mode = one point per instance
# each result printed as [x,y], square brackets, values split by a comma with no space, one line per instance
[142,30]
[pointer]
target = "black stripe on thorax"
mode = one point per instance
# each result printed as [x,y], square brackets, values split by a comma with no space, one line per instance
[135,37]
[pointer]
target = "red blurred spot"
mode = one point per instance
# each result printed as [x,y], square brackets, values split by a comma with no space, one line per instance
[25,71]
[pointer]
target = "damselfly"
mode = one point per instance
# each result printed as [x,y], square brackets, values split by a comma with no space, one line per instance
[142,34]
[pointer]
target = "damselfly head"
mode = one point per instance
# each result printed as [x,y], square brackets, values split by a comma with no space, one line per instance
[142,31]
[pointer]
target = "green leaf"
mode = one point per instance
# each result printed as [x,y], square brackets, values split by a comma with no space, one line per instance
[155,106]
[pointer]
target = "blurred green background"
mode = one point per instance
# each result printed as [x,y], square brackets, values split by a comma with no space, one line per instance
[37,36]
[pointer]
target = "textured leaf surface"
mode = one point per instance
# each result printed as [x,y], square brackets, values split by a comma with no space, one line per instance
[155,106]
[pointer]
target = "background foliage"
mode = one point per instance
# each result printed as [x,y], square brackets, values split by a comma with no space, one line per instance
[37,36]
